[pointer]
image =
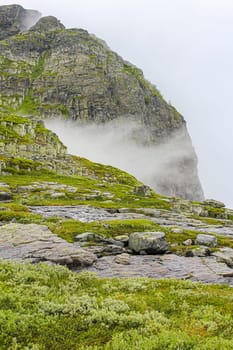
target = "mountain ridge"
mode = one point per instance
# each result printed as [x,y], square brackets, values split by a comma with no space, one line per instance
[49,71]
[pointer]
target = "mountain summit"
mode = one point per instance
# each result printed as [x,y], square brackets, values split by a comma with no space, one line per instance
[47,71]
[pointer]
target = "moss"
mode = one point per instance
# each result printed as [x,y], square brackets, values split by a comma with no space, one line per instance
[39,67]
[29,105]
[7,136]
[15,119]
[68,229]
[137,73]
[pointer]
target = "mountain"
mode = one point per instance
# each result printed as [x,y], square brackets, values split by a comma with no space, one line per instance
[49,71]
[67,224]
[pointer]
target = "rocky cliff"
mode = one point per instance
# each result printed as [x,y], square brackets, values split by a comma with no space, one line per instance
[52,72]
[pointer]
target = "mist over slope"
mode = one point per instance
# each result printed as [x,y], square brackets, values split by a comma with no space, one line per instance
[117,143]
[52,72]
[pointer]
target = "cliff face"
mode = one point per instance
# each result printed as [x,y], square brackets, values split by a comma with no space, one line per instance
[49,71]
[15,18]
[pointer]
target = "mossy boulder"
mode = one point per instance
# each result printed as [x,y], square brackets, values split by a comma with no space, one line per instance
[148,242]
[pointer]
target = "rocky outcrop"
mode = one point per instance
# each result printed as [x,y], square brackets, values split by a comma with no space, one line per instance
[37,243]
[55,72]
[47,23]
[200,269]
[14,19]
[28,138]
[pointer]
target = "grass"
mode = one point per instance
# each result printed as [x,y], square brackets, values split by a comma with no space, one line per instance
[50,307]
[137,73]
[120,186]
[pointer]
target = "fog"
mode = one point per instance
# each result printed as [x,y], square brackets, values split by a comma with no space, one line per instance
[120,143]
[186,49]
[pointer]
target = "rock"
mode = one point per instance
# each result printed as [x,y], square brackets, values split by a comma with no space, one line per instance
[47,23]
[207,240]
[123,259]
[213,203]
[225,255]
[176,230]
[143,190]
[148,242]
[203,269]
[86,237]
[14,19]
[122,238]
[57,195]
[200,252]
[188,242]
[5,196]
[4,185]
[105,250]
[37,243]
[93,237]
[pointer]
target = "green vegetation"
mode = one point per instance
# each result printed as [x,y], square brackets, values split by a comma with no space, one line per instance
[137,73]
[48,307]
[29,105]
[39,67]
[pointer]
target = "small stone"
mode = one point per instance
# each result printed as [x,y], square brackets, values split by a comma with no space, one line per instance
[207,240]
[123,259]
[188,242]
[57,195]
[85,237]
[176,230]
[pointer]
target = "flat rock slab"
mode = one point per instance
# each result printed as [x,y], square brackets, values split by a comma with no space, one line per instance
[37,243]
[83,213]
[206,270]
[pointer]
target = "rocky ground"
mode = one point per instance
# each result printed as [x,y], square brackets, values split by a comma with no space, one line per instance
[137,254]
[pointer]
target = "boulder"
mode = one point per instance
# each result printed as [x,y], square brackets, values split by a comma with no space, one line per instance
[213,203]
[200,252]
[93,237]
[105,250]
[207,240]
[37,243]
[148,242]
[225,255]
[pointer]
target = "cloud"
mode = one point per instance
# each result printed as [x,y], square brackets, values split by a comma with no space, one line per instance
[120,143]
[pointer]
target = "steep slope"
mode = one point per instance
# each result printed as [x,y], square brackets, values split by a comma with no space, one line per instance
[54,72]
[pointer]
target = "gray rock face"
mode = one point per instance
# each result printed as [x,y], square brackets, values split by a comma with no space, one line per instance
[47,23]
[70,73]
[14,19]
[148,242]
[37,243]
[202,269]
[207,240]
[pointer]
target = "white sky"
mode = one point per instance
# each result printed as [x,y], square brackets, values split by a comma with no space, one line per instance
[185,47]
